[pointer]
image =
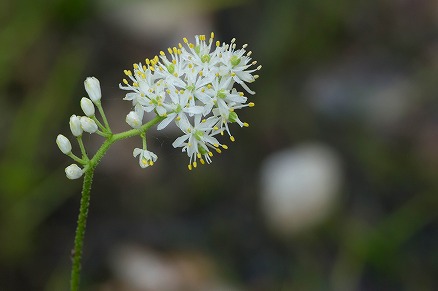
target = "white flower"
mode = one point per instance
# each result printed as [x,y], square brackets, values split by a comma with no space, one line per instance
[92,86]
[179,107]
[133,120]
[235,64]
[146,158]
[63,144]
[73,172]
[75,125]
[87,106]
[198,139]
[88,124]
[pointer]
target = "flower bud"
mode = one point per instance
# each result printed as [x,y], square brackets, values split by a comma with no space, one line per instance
[88,124]
[75,125]
[73,172]
[92,86]
[63,144]
[133,119]
[87,106]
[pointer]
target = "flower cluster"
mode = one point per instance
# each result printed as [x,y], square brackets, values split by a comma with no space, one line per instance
[194,87]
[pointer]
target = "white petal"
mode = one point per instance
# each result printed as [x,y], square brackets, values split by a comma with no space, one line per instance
[179,141]
[166,121]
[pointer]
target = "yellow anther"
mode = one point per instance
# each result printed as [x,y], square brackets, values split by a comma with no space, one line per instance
[259,67]
[249,53]
[204,120]
[144,161]
[245,124]
[218,43]
[195,164]
[169,50]
[233,40]
[202,37]
[224,146]
[217,74]
[179,45]
[144,68]
[178,118]
[232,138]
[202,161]
[191,45]
[251,104]
[135,84]
[245,45]
[185,40]
[216,128]
[151,163]
[212,35]
[125,81]
[175,74]
[216,145]
[210,154]
[241,94]
[135,66]
[175,50]
[201,73]
[198,155]
[231,109]
[222,133]
[254,62]
[179,51]
[233,74]
[190,167]
[218,150]
[256,77]
[148,62]
[209,86]
[162,53]
[152,69]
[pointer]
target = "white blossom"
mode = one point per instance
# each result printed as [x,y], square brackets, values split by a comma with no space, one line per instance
[63,144]
[146,158]
[75,125]
[133,120]
[88,124]
[73,172]
[92,86]
[87,106]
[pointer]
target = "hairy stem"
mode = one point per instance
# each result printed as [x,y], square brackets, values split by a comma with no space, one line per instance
[86,188]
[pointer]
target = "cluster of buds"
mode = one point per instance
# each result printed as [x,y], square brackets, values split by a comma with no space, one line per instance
[194,87]
[80,124]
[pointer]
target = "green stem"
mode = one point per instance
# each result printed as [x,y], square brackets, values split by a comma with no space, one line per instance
[85,199]
[83,151]
[105,121]
[80,230]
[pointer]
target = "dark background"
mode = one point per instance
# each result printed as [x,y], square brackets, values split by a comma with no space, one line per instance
[358,78]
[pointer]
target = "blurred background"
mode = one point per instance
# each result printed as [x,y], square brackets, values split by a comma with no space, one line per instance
[332,187]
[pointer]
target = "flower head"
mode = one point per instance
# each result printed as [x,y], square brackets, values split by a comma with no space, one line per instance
[194,86]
